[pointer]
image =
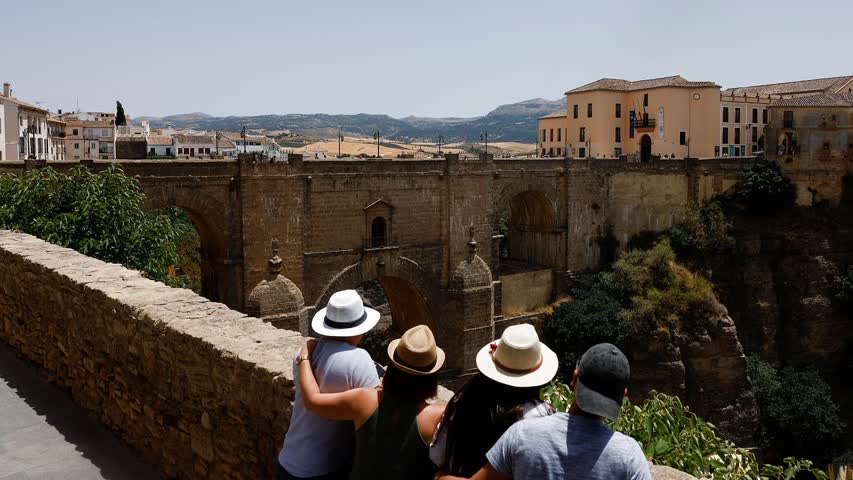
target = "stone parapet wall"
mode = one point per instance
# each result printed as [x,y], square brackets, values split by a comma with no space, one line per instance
[198,389]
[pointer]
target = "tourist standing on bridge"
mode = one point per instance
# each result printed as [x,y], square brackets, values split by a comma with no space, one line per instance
[394,423]
[577,444]
[316,447]
[511,372]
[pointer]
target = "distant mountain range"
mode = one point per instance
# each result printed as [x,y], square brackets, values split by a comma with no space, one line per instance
[515,122]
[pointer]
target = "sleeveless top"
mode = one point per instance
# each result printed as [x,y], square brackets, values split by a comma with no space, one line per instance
[389,446]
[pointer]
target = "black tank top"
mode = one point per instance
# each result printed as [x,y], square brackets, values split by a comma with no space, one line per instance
[389,445]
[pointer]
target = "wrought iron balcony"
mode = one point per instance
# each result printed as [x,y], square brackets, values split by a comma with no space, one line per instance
[644,122]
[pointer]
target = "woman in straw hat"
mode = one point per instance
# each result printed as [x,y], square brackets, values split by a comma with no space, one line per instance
[506,389]
[393,423]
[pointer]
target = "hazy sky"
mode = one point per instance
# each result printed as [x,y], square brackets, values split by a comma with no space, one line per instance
[426,57]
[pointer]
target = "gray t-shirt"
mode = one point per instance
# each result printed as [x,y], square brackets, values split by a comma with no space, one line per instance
[313,445]
[568,446]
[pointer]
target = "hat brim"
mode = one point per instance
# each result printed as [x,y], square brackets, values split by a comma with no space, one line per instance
[320,327]
[439,360]
[595,403]
[542,375]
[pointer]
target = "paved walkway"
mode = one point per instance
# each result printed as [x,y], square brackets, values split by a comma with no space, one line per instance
[44,435]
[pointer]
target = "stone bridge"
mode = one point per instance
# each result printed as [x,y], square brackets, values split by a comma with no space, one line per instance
[427,230]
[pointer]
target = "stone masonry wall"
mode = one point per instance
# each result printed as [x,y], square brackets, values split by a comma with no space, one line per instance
[199,390]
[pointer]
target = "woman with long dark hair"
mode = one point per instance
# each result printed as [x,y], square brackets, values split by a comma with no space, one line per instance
[511,372]
[393,423]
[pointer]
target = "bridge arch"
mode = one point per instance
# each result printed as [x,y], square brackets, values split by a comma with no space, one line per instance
[209,216]
[414,295]
[531,217]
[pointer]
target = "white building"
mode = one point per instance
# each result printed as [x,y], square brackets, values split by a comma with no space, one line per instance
[256,144]
[56,138]
[25,132]
[89,139]
[189,146]
[161,146]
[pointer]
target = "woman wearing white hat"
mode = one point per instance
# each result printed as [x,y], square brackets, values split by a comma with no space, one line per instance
[393,423]
[512,370]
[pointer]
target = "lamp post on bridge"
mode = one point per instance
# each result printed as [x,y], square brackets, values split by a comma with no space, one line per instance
[376,136]
[440,139]
[485,137]
[340,139]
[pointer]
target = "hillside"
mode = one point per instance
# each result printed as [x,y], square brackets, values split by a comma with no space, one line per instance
[515,122]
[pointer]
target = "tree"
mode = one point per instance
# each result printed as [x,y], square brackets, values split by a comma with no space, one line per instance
[763,189]
[798,415]
[98,214]
[120,118]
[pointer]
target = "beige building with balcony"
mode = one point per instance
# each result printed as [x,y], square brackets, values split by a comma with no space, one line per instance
[24,128]
[744,110]
[661,117]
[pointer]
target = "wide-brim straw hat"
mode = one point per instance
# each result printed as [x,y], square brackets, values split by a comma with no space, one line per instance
[518,359]
[416,353]
[344,316]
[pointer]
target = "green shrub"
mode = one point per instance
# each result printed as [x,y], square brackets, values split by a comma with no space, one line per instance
[670,434]
[646,290]
[763,189]
[703,231]
[98,214]
[798,416]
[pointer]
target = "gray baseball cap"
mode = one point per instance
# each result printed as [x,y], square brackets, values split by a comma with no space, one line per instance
[603,374]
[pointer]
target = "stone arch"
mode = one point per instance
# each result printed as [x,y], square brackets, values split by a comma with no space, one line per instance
[209,216]
[414,295]
[530,216]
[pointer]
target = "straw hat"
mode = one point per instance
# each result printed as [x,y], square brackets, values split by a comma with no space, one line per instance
[518,359]
[344,316]
[415,352]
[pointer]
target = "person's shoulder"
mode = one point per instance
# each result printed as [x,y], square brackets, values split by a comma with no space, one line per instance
[628,445]
[536,424]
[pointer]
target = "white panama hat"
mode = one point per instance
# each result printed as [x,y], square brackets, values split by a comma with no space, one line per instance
[344,316]
[518,359]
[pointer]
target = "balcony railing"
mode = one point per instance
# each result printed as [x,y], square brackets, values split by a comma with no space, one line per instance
[644,122]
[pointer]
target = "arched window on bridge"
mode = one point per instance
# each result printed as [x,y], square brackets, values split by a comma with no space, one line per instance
[378,235]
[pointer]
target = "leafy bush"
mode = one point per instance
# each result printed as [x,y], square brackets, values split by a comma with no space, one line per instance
[798,416]
[763,188]
[670,434]
[703,231]
[646,290]
[98,214]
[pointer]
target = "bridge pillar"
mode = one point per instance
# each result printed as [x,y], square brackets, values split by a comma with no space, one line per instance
[470,310]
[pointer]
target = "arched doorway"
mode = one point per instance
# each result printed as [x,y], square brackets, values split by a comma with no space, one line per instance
[201,256]
[398,288]
[645,148]
[532,249]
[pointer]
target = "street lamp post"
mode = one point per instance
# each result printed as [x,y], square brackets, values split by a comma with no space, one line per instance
[376,136]
[485,137]
[340,139]
[440,139]
[243,134]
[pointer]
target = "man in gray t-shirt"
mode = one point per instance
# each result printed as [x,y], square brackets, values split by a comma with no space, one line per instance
[577,445]
[316,447]
[567,446]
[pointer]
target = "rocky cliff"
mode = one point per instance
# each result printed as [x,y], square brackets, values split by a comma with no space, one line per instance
[707,369]
[779,286]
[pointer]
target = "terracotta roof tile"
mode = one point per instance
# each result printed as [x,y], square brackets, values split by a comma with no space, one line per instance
[160,140]
[629,86]
[801,87]
[561,113]
[194,139]
[820,100]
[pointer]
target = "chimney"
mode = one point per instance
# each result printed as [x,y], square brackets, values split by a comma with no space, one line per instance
[7,89]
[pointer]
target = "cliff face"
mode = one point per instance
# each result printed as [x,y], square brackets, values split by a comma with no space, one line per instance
[707,369]
[779,286]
